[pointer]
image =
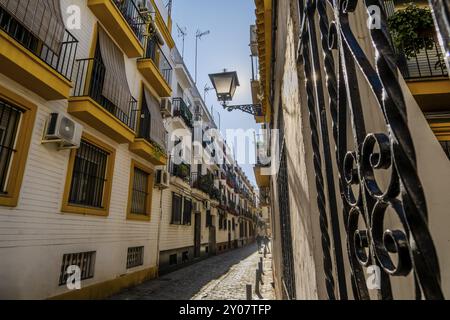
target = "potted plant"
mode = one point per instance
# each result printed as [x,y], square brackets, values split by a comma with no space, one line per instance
[184,170]
[412,30]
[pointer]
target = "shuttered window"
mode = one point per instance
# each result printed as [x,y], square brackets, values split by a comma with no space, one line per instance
[9,126]
[187,212]
[89,176]
[115,86]
[181,210]
[177,207]
[43,18]
[152,126]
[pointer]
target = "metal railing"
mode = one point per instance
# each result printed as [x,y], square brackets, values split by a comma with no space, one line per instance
[262,151]
[89,81]
[154,52]
[145,130]
[62,61]
[426,61]
[133,16]
[180,109]
[182,171]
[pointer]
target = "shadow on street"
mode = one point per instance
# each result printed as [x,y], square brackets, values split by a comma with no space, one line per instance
[183,284]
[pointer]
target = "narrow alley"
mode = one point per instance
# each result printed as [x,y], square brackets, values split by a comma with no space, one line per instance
[223,277]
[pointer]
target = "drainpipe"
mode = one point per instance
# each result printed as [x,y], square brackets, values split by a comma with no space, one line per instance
[159,231]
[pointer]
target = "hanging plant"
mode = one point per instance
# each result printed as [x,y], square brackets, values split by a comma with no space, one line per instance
[412,30]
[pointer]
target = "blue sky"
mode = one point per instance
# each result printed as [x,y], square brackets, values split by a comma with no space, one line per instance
[227,46]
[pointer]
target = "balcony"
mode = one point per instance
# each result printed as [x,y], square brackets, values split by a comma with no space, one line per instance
[205,184]
[180,174]
[156,69]
[165,28]
[264,197]
[89,105]
[124,22]
[145,145]
[182,112]
[232,208]
[263,162]
[426,75]
[33,63]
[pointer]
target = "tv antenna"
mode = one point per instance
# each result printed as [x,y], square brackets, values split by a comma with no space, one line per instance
[182,33]
[198,36]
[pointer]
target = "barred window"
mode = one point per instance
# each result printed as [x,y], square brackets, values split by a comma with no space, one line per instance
[209,222]
[135,257]
[187,212]
[139,198]
[83,260]
[177,207]
[89,176]
[9,125]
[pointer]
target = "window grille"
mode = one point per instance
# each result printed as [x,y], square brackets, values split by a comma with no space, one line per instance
[9,125]
[89,176]
[140,192]
[135,257]
[84,260]
[177,203]
[187,212]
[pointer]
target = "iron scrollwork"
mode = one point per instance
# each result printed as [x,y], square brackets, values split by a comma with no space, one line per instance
[365,200]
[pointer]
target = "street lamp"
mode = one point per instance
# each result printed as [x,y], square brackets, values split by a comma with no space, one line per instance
[225,84]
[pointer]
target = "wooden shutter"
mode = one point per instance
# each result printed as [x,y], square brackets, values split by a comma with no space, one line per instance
[43,18]
[176,208]
[157,129]
[115,87]
[187,213]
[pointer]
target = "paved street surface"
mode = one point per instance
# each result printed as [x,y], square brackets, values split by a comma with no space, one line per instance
[222,277]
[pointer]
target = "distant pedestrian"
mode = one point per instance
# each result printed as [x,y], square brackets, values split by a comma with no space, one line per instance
[267,243]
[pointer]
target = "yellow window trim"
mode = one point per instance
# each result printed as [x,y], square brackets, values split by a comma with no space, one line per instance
[23,140]
[103,212]
[163,27]
[150,172]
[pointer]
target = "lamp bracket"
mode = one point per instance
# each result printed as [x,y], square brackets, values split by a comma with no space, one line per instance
[253,109]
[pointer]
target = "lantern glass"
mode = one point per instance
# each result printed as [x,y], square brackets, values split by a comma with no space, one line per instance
[225,84]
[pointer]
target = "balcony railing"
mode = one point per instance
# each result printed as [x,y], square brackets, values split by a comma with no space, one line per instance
[262,151]
[133,16]
[180,109]
[426,61]
[182,171]
[153,51]
[62,61]
[145,132]
[89,78]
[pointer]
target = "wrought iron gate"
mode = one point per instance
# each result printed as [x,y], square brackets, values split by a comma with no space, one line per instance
[377,169]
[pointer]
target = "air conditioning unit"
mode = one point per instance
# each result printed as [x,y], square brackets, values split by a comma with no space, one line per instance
[166,107]
[63,130]
[162,179]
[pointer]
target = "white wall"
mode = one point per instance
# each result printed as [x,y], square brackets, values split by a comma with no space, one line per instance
[35,235]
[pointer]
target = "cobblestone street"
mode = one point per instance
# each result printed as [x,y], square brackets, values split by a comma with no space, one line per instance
[222,277]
